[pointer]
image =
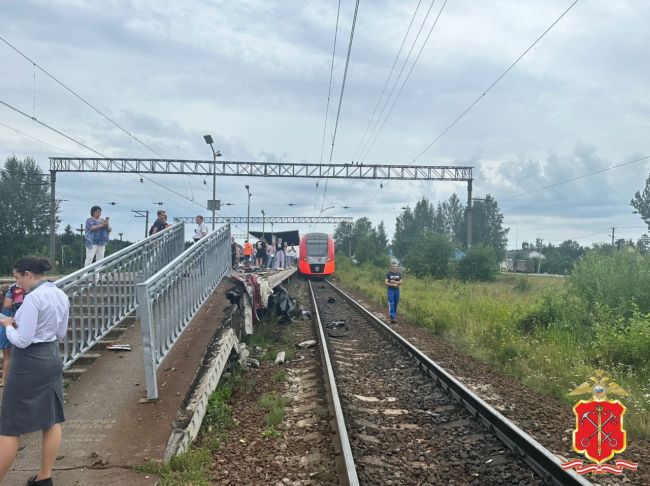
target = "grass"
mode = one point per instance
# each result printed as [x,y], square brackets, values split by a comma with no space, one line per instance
[191,468]
[274,404]
[534,329]
[188,468]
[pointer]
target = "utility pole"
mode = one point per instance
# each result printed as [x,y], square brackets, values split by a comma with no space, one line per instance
[350,243]
[539,258]
[80,229]
[263,220]
[53,216]
[468,213]
[613,234]
[142,214]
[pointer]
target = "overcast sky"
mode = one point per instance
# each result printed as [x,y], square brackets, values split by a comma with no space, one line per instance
[255,75]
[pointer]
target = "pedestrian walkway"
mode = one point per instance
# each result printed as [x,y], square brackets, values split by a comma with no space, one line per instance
[110,426]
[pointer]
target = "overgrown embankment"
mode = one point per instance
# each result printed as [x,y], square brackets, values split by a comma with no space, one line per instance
[551,334]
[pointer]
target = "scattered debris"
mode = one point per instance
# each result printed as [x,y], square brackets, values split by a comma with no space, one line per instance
[307,344]
[243,353]
[336,323]
[253,363]
[331,300]
[119,347]
[283,305]
[279,359]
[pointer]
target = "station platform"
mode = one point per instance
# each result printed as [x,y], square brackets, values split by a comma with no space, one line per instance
[111,427]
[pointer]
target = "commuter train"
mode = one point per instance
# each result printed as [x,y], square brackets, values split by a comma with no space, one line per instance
[316,255]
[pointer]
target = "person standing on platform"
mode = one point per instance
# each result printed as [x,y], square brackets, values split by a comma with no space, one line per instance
[279,255]
[248,251]
[290,256]
[234,252]
[160,223]
[13,300]
[97,230]
[270,255]
[393,281]
[201,230]
[33,392]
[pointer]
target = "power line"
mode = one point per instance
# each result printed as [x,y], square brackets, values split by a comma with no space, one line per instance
[329,93]
[583,176]
[494,83]
[329,89]
[345,75]
[390,74]
[373,137]
[37,139]
[51,128]
[78,96]
[91,149]
[369,147]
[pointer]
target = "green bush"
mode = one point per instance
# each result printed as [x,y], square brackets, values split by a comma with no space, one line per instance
[479,264]
[621,341]
[429,255]
[618,281]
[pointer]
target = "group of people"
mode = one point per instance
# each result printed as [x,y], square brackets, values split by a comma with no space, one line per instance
[98,229]
[278,255]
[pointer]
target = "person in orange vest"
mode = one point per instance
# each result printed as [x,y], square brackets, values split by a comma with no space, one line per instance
[248,251]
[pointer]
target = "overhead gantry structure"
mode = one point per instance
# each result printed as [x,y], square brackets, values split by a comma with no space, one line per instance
[394,172]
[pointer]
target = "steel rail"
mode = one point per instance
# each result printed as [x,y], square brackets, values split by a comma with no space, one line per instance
[328,372]
[541,460]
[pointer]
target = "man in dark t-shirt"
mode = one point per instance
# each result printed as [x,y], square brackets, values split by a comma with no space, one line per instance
[393,281]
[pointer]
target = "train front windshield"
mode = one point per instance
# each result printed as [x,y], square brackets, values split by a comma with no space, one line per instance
[317,247]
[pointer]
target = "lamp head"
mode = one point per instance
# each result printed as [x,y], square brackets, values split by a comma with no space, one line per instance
[208,139]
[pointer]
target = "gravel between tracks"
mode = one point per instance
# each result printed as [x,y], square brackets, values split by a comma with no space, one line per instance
[549,420]
[404,429]
[304,453]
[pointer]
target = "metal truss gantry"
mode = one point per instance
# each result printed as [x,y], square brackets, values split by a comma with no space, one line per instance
[270,219]
[257,169]
[262,169]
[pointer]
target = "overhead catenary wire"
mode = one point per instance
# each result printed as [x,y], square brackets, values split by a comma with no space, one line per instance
[78,96]
[49,127]
[339,198]
[406,78]
[390,74]
[345,75]
[365,149]
[83,100]
[495,82]
[329,93]
[573,179]
[38,140]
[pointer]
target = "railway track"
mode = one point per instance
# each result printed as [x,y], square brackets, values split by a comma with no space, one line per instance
[403,420]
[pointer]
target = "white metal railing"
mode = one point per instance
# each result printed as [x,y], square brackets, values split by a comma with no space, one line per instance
[170,299]
[101,295]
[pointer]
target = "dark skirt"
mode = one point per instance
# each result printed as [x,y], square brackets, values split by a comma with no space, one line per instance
[32,398]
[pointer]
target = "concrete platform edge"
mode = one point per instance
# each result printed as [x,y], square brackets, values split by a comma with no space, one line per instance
[181,439]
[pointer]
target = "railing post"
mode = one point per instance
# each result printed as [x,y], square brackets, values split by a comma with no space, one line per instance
[145,314]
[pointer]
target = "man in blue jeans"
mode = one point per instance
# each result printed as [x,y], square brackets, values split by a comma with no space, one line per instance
[393,281]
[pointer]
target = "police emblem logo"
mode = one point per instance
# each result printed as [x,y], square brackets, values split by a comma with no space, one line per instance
[599,434]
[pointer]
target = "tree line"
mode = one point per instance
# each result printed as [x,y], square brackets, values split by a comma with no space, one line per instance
[25,219]
[427,237]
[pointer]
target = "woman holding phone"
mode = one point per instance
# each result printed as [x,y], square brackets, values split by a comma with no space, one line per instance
[97,230]
[33,392]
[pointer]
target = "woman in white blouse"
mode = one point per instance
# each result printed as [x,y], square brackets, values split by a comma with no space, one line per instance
[33,394]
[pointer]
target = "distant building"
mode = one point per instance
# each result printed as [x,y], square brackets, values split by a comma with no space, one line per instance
[518,261]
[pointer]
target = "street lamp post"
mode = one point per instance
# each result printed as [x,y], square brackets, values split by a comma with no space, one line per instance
[263,233]
[215,154]
[248,216]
